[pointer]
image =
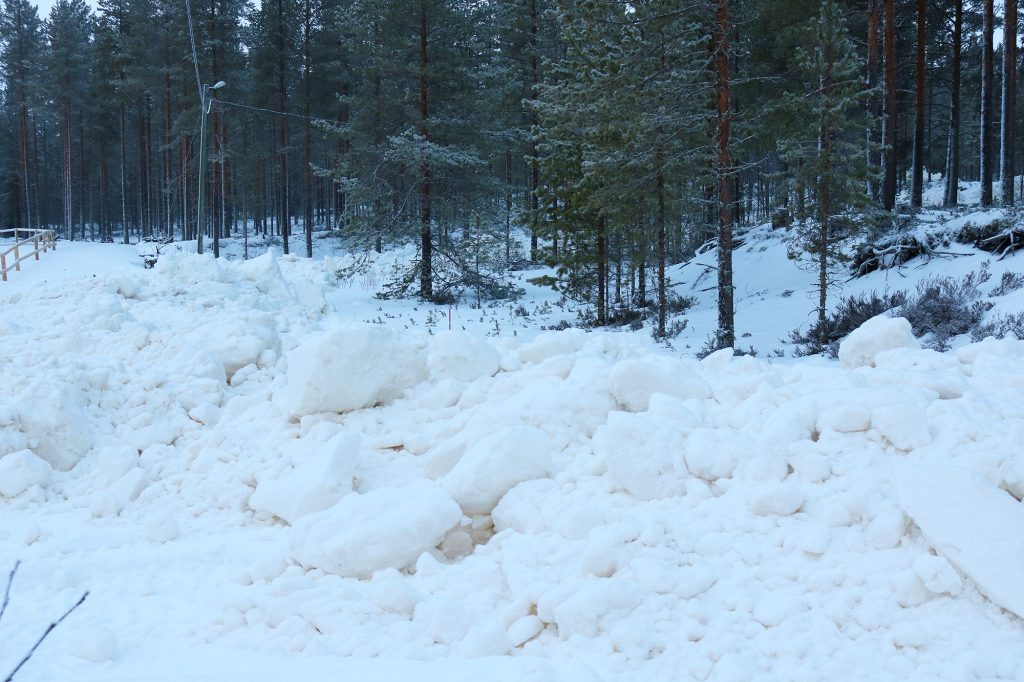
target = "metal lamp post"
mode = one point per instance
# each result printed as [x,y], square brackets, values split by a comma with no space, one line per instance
[203,112]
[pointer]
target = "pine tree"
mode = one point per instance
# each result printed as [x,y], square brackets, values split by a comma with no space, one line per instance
[618,117]
[68,67]
[829,154]
[21,39]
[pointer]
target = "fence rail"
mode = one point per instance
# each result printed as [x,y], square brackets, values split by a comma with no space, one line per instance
[40,240]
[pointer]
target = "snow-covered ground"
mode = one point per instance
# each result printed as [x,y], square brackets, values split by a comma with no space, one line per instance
[260,472]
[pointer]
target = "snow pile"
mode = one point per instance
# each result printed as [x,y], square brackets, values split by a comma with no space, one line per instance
[328,491]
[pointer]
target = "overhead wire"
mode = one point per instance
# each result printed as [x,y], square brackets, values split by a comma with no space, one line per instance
[195,58]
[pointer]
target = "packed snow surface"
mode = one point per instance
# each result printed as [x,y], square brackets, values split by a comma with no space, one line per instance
[254,486]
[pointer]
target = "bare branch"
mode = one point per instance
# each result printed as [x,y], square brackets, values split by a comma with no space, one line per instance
[51,628]
[7,592]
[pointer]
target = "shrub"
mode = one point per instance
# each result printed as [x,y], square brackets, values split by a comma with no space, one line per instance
[1011,281]
[851,313]
[1000,327]
[945,307]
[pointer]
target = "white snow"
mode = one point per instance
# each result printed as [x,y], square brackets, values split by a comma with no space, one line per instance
[972,523]
[20,471]
[494,464]
[878,335]
[314,484]
[351,368]
[259,473]
[386,528]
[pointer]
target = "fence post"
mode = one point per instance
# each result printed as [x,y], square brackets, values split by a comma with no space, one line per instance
[35,243]
[17,258]
[3,265]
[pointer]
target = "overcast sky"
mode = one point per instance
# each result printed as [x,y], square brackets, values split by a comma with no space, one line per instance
[45,5]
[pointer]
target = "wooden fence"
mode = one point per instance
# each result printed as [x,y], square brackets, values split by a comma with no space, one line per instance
[27,244]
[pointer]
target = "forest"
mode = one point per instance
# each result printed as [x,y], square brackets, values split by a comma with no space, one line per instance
[620,136]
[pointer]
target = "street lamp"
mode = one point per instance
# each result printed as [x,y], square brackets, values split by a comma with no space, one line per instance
[204,109]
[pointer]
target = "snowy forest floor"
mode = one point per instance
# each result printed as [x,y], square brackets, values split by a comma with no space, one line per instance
[253,485]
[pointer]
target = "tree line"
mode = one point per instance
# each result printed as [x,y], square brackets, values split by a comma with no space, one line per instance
[622,136]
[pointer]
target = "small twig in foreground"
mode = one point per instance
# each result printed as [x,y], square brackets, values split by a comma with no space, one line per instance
[53,626]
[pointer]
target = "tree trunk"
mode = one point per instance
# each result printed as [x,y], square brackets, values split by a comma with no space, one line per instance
[124,173]
[534,120]
[662,299]
[1009,110]
[602,272]
[986,105]
[875,100]
[426,273]
[282,98]
[917,178]
[307,213]
[953,152]
[889,130]
[726,321]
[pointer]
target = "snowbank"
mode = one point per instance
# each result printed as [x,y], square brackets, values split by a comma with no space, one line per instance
[575,497]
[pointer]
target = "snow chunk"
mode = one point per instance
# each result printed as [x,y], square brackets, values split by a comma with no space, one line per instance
[21,470]
[640,454]
[972,523]
[264,272]
[937,575]
[312,486]
[904,425]
[56,422]
[712,454]
[633,381]
[243,341]
[844,419]
[877,335]
[459,356]
[781,499]
[386,528]
[351,368]
[492,466]
[552,344]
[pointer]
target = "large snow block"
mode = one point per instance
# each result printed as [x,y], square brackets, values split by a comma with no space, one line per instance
[53,418]
[635,380]
[351,368]
[495,464]
[315,484]
[973,524]
[21,470]
[641,454]
[386,528]
[459,356]
[877,335]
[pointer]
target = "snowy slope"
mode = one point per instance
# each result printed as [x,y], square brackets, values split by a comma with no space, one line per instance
[536,506]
